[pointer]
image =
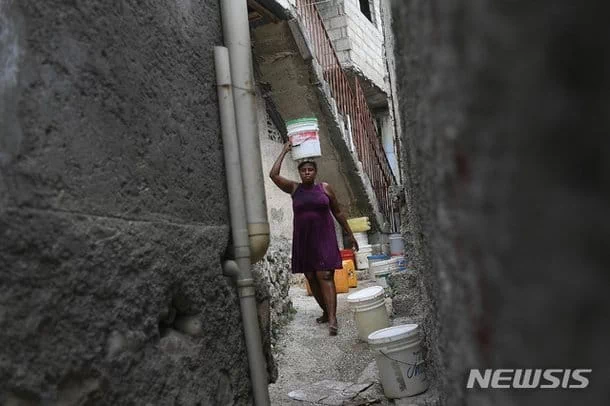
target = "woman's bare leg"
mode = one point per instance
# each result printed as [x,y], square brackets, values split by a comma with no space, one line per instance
[326,279]
[317,294]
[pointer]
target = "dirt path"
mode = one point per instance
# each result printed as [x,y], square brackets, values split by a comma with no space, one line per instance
[307,356]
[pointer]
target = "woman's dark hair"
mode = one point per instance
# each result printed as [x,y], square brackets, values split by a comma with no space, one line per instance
[313,163]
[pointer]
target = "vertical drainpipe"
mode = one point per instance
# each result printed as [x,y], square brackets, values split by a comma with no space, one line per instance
[239,269]
[236,32]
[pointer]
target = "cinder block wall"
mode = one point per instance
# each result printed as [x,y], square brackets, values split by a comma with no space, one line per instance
[506,181]
[357,41]
[113,207]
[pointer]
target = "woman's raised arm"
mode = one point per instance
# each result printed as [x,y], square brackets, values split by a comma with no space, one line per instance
[287,185]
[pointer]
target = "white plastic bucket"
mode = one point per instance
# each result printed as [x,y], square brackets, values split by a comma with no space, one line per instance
[396,245]
[369,309]
[400,360]
[304,137]
[362,238]
[362,256]
[398,263]
[376,258]
[380,270]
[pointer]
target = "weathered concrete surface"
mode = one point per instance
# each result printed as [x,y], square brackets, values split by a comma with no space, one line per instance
[503,107]
[408,294]
[279,203]
[113,209]
[294,91]
[273,276]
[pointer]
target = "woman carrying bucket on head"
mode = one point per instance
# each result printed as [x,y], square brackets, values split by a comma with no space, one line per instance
[315,251]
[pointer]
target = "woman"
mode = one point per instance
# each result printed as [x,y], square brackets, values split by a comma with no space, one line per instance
[314,244]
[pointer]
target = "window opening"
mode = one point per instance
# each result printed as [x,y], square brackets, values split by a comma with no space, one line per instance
[365,8]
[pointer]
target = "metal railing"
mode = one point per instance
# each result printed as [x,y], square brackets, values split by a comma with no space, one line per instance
[352,104]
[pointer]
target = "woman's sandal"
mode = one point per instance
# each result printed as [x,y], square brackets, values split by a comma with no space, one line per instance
[333,330]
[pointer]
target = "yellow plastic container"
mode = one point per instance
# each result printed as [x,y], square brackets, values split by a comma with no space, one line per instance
[349,266]
[359,224]
[341,280]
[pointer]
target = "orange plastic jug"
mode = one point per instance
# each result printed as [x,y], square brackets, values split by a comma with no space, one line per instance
[342,278]
[350,268]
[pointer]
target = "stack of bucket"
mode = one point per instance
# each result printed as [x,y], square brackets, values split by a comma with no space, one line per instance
[397,349]
[362,256]
[396,245]
[303,134]
[365,249]
[362,238]
[380,270]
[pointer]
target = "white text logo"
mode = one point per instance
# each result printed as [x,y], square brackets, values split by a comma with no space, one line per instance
[528,378]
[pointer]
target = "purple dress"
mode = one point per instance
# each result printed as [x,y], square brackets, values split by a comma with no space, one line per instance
[314,241]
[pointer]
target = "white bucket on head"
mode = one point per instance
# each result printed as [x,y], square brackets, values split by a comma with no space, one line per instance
[362,238]
[304,137]
[362,254]
[380,270]
[400,360]
[370,312]
[396,245]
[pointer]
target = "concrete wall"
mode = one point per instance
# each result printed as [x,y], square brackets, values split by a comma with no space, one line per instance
[113,209]
[279,203]
[357,41]
[295,95]
[506,188]
[393,97]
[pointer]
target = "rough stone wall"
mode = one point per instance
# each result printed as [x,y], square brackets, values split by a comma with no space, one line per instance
[504,109]
[113,209]
[274,275]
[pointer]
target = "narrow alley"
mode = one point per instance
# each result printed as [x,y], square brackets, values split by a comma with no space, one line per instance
[170,170]
[318,369]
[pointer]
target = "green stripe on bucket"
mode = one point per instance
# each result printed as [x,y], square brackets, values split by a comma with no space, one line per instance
[302,120]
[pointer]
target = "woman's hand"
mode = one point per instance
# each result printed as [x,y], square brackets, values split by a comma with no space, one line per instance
[353,242]
[287,147]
